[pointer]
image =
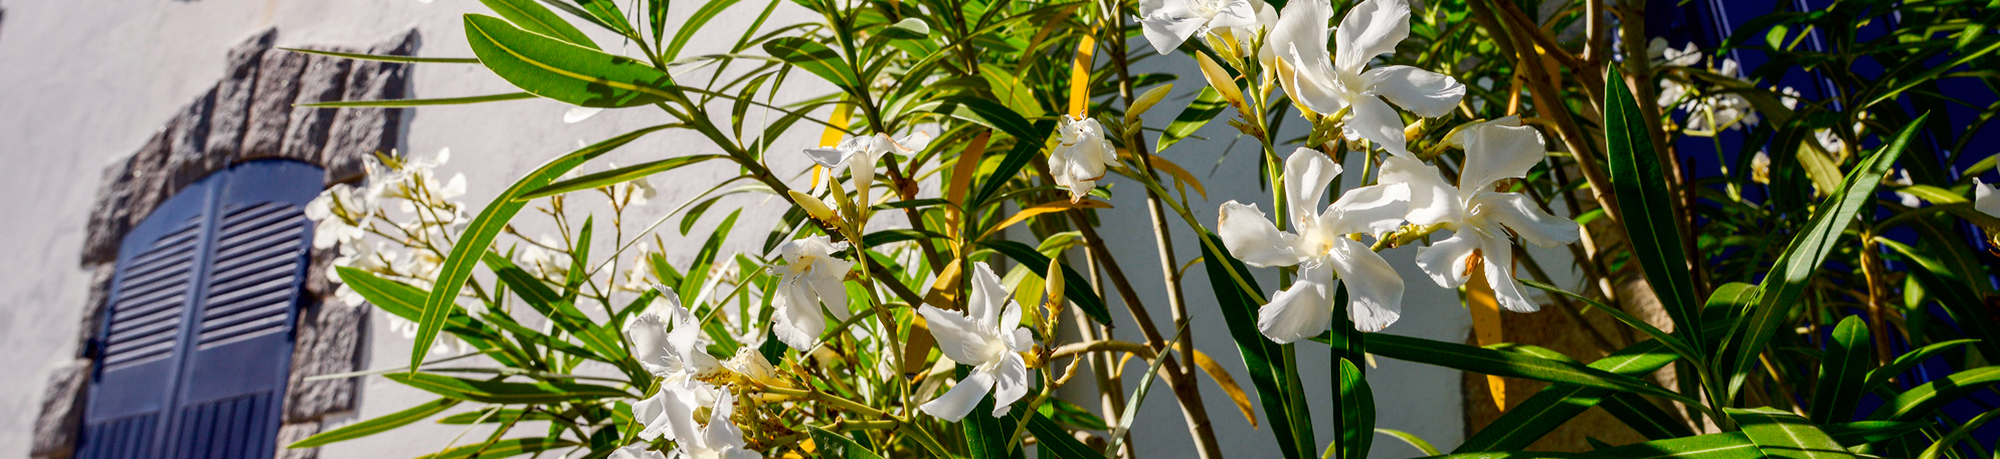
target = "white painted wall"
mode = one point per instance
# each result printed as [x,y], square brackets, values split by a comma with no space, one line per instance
[85,83]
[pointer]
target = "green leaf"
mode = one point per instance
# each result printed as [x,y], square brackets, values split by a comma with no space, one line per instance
[1628,319]
[835,446]
[1644,417]
[1842,373]
[1238,297]
[1789,276]
[1511,364]
[534,17]
[603,343]
[504,448]
[418,102]
[1204,108]
[1956,435]
[1647,207]
[1053,438]
[386,57]
[606,13]
[1918,402]
[694,23]
[1025,149]
[479,234]
[377,425]
[1076,288]
[1781,434]
[562,71]
[1730,445]
[1953,290]
[1557,404]
[907,29]
[1357,413]
[1880,376]
[697,273]
[818,59]
[985,436]
[1414,441]
[986,113]
[615,176]
[505,392]
[1864,432]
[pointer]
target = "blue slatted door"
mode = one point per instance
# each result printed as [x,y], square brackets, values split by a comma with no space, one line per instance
[138,347]
[232,392]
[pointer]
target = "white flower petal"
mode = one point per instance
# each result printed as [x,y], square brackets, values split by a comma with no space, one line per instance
[1425,93]
[1307,174]
[1445,260]
[955,403]
[1376,121]
[1495,151]
[720,433]
[1253,238]
[1374,289]
[1167,29]
[796,319]
[987,300]
[1010,382]
[1235,13]
[1526,219]
[1499,261]
[1984,199]
[1372,28]
[829,156]
[1300,312]
[1431,199]
[958,337]
[1373,209]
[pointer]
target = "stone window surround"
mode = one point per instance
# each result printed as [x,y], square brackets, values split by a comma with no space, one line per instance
[249,115]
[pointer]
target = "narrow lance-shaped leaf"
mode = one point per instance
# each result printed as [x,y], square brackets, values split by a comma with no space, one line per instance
[562,71]
[1513,364]
[479,235]
[1357,413]
[533,17]
[1238,296]
[504,392]
[1842,373]
[1781,434]
[377,425]
[1647,207]
[1780,290]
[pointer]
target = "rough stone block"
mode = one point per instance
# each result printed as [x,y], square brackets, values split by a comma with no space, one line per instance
[324,79]
[231,114]
[329,342]
[125,196]
[188,150]
[360,132]
[271,104]
[62,411]
[320,274]
[292,433]
[93,308]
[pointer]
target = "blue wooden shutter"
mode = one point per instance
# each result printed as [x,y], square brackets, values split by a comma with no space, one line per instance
[198,341]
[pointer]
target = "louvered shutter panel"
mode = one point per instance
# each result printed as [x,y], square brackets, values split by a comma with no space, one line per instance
[138,347]
[220,388]
[241,344]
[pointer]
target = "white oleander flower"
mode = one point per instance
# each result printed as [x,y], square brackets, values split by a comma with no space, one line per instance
[811,277]
[638,451]
[1984,199]
[1480,217]
[635,192]
[1760,168]
[1901,180]
[1319,244]
[1168,23]
[1327,82]
[1081,157]
[986,336]
[860,154]
[543,263]
[752,365]
[671,414]
[340,213]
[666,339]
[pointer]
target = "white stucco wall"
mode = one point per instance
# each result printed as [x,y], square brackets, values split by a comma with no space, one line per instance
[85,83]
